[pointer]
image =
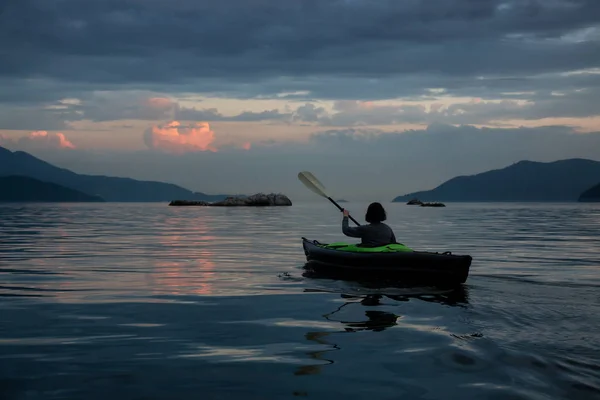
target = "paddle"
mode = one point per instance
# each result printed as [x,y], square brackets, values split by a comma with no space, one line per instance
[311,182]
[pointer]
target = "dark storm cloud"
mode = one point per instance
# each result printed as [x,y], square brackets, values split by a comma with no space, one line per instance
[239,41]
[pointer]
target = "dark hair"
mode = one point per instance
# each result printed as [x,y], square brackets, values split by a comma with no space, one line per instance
[375,213]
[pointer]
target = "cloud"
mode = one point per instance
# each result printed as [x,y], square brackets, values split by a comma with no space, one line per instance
[280,38]
[328,49]
[132,60]
[34,118]
[572,96]
[575,103]
[5,141]
[102,106]
[310,113]
[212,114]
[56,140]
[177,138]
[156,108]
[38,140]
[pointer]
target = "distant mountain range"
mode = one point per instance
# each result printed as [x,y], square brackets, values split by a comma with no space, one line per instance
[563,180]
[108,188]
[25,189]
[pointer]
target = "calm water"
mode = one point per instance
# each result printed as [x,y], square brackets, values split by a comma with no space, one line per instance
[146,301]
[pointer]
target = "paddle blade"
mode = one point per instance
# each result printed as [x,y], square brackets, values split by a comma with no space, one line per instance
[311,182]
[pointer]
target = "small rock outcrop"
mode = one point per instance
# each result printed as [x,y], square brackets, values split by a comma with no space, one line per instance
[256,200]
[188,203]
[435,204]
[416,202]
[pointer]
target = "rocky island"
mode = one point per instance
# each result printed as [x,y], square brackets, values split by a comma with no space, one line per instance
[433,204]
[417,202]
[414,202]
[255,200]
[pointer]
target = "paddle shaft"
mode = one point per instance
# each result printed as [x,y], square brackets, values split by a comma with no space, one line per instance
[311,182]
[341,209]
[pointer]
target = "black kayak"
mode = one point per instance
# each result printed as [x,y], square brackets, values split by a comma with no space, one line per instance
[395,261]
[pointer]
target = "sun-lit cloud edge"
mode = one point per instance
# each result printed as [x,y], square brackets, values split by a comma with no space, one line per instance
[38,140]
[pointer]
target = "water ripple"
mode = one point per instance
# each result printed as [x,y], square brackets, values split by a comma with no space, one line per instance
[151,301]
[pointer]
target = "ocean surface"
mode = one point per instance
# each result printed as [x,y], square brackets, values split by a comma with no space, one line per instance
[146,301]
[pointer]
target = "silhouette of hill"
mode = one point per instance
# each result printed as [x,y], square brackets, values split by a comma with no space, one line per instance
[562,180]
[591,195]
[109,188]
[26,189]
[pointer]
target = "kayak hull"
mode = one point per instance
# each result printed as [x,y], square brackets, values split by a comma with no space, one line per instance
[410,266]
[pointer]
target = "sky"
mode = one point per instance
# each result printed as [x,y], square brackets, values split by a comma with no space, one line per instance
[377,98]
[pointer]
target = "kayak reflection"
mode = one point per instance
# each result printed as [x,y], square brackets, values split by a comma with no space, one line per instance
[377,321]
[370,294]
[458,296]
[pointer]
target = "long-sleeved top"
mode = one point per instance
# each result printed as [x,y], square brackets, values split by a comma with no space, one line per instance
[371,235]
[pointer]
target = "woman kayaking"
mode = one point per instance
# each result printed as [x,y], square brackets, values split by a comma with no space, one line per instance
[376,233]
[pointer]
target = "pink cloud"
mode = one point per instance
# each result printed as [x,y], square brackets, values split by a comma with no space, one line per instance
[39,140]
[52,140]
[177,138]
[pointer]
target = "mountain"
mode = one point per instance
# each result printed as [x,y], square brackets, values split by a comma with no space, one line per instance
[25,189]
[591,195]
[109,188]
[562,180]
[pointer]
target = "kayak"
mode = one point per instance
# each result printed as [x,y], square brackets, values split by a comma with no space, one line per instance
[394,261]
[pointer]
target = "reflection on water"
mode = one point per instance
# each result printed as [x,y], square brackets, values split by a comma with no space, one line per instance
[173,278]
[376,320]
[148,301]
[317,355]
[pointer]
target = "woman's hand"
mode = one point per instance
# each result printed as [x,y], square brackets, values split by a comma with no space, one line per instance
[346,212]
